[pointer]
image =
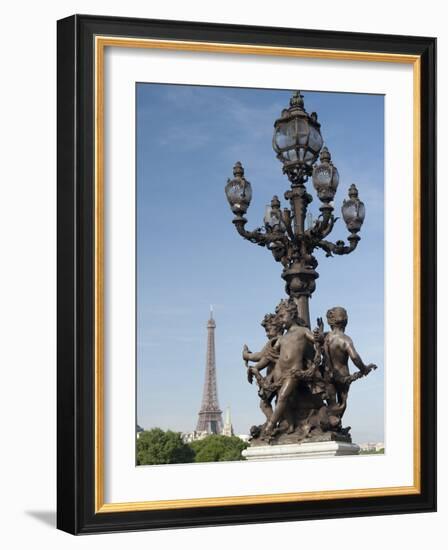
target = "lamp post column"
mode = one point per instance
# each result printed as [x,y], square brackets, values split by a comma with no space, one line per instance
[300,275]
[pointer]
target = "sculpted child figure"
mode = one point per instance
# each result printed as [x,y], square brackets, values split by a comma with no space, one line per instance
[338,349]
[265,359]
[294,364]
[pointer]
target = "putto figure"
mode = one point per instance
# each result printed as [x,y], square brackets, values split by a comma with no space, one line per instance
[265,359]
[338,348]
[294,364]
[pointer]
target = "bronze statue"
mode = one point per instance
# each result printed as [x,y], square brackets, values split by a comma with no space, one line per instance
[307,375]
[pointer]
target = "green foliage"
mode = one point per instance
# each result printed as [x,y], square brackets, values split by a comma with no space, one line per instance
[158,447]
[218,448]
[372,452]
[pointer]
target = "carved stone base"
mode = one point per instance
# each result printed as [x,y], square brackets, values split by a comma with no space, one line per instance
[290,439]
[320,449]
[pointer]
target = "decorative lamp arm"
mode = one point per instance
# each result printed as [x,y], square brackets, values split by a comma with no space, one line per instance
[321,228]
[256,237]
[339,247]
[327,227]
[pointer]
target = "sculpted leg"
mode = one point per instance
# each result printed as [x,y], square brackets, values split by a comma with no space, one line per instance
[266,408]
[331,395]
[342,400]
[282,402]
[289,417]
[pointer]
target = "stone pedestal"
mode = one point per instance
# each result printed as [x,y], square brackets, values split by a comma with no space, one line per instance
[319,449]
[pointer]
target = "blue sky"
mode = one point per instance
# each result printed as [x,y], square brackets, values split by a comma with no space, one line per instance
[189,255]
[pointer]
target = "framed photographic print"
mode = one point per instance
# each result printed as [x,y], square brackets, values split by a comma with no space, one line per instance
[203,380]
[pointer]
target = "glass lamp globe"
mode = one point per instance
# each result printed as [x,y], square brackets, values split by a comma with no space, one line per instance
[238,191]
[325,177]
[273,220]
[353,210]
[297,139]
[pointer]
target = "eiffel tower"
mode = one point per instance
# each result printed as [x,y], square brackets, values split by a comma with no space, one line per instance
[210,415]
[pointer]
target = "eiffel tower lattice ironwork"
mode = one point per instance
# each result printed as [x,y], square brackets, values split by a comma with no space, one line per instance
[210,415]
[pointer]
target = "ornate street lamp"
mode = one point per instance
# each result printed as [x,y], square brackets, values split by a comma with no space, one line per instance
[302,380]
[297,142]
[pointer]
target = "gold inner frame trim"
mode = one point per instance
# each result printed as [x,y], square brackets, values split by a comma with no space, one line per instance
[101,42]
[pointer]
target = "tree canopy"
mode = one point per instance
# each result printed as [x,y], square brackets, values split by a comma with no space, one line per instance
[158,447]
[218,448]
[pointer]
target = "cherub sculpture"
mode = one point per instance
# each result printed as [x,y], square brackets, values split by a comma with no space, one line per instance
[295,364]
[338,348]
[265,359]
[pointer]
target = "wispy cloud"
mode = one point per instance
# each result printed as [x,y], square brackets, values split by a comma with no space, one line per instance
[198,116]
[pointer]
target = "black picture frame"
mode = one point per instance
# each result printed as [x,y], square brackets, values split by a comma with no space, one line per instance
[76,512]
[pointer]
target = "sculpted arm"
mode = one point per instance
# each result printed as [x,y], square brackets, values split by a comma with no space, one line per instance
[262,358]
[252,356]
[262,364]
[354,355]
[310,336]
